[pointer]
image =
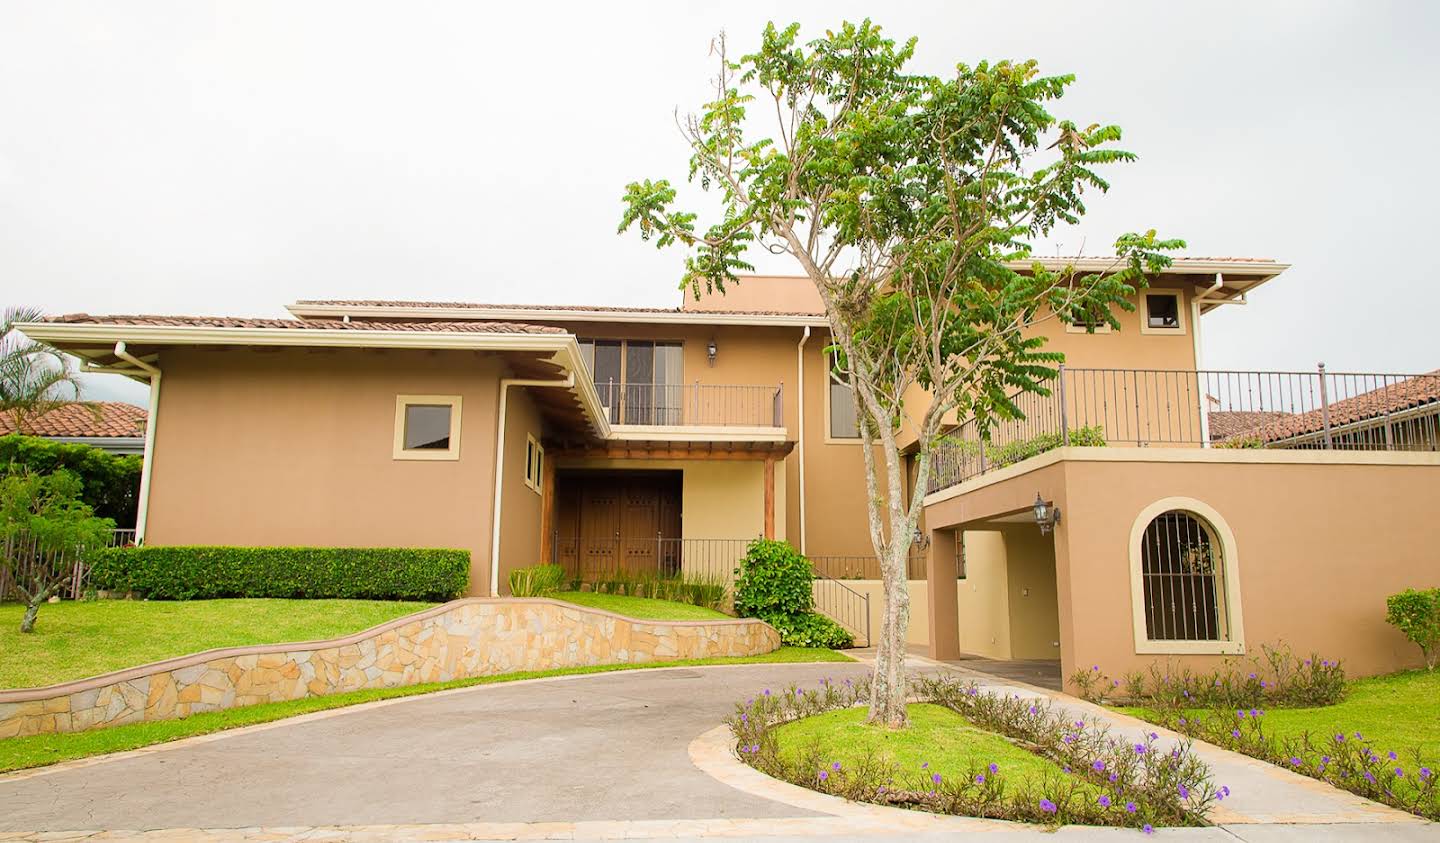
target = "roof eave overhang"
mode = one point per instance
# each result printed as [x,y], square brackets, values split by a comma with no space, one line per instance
[563,349]
[527,314]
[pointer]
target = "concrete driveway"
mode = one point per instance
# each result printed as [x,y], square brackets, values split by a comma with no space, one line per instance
[589,757]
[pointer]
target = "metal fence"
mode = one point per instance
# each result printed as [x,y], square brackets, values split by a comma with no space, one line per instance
[23,556]
[693,404]
[1203,408]
[621,561]
[863,567]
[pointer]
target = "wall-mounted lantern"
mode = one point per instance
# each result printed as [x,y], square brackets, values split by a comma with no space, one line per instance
[710,352]
[920,539]
[1047,515]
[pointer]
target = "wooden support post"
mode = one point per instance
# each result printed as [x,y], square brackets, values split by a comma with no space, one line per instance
[769,497]
[942,594]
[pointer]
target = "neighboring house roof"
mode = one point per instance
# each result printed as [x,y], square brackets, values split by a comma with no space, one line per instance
[1376,404]
[98,419]
[567,308]
[1227,423]
[304,324]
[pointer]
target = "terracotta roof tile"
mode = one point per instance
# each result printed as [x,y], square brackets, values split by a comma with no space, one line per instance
[1374,404]
[306,324]
[99,418]
[566,308]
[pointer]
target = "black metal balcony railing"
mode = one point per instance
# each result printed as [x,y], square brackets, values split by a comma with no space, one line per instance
[692,405]
[1356,411]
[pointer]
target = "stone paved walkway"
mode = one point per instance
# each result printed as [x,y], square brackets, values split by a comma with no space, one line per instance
[632,754]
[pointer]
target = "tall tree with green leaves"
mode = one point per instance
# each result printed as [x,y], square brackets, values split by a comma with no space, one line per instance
[35,378]
[913,203]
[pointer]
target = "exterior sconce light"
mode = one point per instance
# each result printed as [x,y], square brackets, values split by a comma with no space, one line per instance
[1046,515]
[710,351]
[920,539]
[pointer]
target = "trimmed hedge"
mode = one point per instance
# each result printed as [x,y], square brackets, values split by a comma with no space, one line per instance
[202,573]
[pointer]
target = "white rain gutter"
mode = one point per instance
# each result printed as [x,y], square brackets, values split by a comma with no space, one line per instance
[505,384]
[147,465]
[800,431]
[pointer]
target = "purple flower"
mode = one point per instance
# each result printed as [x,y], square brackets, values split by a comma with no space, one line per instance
[1294,761]
[1068,739]
[835,766]
[824,774]
[1392,755]
[1358,737]
[994,768]
[979,778]
[1340,738]
[1254,712]
[1096,667]
[1115,683]
[1235,733]
[1399,773]
[1033,710]
[1079,724]
[1131,807]
[1104,801]
[935,777]
[767,692]
[1047,806]
[744,718]
[1182,721]
[1370,776]
[1240,714]
[1139,749]
[1148,829]
[1114,776]
[1425,773]
[1098,766]
[924,765]
[1184,791]
[1252,676]
[1262,683]
[1225,789]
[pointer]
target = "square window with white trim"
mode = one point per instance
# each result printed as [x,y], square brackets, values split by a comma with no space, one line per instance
[1164,313]
[534,464]
[427,427]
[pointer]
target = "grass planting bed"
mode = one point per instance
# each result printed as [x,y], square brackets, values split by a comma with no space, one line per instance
[640,608]
[74,640]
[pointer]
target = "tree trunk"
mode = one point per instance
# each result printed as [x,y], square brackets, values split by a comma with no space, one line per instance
[887,689]
[27,623]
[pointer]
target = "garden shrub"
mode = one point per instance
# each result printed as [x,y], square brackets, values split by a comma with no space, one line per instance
[1417,614]
[536,580]
[696,589]
[809,629]
[200,573]
[773,579]
[1138,784]
[111,483]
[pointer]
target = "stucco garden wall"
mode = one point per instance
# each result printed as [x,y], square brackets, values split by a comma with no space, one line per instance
[464,638]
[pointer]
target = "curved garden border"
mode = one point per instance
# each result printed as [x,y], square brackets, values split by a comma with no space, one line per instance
[463,638]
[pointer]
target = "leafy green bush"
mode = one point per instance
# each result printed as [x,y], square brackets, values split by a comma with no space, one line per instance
[1417,614]
[1281,679]
[773,579]
[536,580]
[697,589]
[111,483]
[200,573]
[1013,452]
[809,629]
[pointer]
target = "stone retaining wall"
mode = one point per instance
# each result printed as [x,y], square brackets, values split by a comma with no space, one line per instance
[464,638]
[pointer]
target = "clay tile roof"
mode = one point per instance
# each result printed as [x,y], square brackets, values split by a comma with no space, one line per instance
[99,418]
[1227,423]
[1396,397]
[306,324]
[565,308]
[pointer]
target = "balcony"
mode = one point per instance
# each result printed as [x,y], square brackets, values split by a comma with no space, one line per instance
[1356,411]
[692,405]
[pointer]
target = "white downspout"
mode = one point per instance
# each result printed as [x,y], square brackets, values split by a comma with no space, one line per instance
[1195,337]
[800,431]
[505,384]
[142,511]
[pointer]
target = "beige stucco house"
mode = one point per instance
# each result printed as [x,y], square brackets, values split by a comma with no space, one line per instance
[664,439]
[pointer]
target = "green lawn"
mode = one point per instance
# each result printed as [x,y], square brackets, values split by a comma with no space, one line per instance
[938,737]
[1397,712]
[73,640]
[643,608]
[40,750]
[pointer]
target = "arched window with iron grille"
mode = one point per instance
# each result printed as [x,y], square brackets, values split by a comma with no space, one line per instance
[1182,567]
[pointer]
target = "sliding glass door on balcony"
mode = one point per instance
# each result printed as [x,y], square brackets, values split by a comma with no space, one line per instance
[639,381]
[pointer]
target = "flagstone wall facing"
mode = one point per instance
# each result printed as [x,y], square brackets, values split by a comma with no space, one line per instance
[461,639]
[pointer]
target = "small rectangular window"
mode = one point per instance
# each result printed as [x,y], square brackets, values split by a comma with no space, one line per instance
[1162,312]
[427,427]
[960,572]
[534,464]
[843,414]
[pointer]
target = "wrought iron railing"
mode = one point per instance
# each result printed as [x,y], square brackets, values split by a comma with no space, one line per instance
[1359,411]
[614,562]
[23,556]
[864,567]
[695,404]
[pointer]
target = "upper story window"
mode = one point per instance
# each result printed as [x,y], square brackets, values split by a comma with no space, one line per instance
[1088,326]
[639,381]
[1163,313]
[842,419]
[427,427]
[534,464]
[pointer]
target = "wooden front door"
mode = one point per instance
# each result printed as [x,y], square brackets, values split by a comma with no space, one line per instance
[618,521]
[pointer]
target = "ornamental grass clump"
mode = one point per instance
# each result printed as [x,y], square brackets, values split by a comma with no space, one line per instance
[1105,781]
[1278,679]
[1398,778]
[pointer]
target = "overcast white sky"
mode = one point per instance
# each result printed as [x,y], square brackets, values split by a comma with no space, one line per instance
[228,158]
